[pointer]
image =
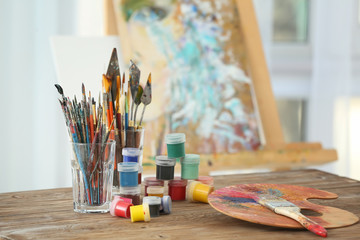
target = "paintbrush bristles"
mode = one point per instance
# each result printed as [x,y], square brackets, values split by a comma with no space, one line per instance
[60,90]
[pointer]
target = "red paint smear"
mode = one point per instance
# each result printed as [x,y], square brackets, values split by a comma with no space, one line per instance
[317,229]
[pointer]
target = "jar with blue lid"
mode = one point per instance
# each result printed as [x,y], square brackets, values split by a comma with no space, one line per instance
[131,154]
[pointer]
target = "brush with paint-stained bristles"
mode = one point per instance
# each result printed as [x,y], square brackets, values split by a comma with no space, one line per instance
[285,208]
[288,209]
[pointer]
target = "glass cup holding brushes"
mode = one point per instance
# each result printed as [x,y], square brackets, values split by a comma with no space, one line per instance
[92,159]
[92,167]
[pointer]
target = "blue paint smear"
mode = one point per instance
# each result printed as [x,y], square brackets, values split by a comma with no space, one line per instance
[275,192]
[238,199]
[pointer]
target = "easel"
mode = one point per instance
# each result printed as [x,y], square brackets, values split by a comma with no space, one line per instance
[276,154]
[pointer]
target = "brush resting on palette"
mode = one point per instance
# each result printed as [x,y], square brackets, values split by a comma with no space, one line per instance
[238,201]
[288,209]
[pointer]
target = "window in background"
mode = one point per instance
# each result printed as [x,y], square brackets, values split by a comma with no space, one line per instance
[358,12]
[290,24]
[290,20]
[292,118]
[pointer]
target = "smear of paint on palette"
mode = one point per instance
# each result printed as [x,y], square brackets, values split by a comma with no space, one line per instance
[238,199]
[275,192]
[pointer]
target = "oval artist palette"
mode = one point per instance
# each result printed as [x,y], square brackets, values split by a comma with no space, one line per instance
[226,200]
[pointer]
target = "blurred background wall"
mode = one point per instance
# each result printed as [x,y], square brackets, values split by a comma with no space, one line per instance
[312,50]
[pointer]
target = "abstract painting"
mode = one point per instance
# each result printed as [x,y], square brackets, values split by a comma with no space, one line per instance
[196,54]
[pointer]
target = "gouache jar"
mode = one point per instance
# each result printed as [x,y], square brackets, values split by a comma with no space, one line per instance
[190,166]
[177,189]
[140,213]
[128,172]
[131,154]
[175,145]
[120,208]
[152,181]
[206,180]
[166,205]
[156,191]
[154,205]
[198,192]
[131,192]
[165,167]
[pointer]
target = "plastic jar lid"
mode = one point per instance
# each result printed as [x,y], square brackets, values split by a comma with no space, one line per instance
[146,212]
[163,160]
[152,200]
[128,167]
[174,138]
[166,204]
[190,190]
[130,190]
[177,181]
[191,159]
[155,190]
[152,181]
[131,152]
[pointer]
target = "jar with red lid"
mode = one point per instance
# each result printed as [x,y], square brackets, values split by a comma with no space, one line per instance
[152,181]
[177,189]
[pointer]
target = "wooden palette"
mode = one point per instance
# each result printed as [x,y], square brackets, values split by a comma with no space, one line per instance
[226,200]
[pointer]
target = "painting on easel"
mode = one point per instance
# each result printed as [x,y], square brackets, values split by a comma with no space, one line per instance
[201,86]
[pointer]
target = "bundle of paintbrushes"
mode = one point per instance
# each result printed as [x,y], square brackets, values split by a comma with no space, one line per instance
[110,120]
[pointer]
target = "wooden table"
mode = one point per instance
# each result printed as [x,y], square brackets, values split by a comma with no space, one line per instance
[48,214]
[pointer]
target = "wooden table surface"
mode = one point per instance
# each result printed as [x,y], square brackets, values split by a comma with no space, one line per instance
[48,214]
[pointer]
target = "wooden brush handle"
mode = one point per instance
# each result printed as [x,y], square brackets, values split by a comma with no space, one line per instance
[303,220]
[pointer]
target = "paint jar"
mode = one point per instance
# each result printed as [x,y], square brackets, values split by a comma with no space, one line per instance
[175,145]
[135,139]
[140,174]
[154,205]
[165,167]
[166,205]
[128,174]
[152,181]
[157,191]
[198,192]
[131,192]
[120,208]
[140,213]
[131,154]
[177,189]
[206,180]
[190,166]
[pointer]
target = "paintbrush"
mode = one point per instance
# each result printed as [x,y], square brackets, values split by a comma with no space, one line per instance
[285,208]
[146,97]
[138,101]
[288,209]
[104,141]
